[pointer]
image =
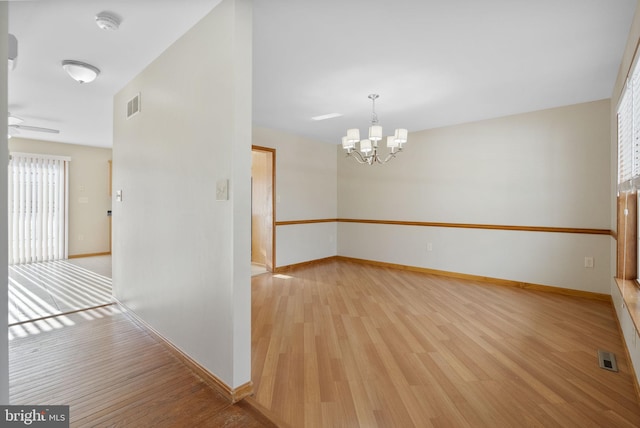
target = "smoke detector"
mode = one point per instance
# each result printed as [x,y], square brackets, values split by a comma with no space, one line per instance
[108,21]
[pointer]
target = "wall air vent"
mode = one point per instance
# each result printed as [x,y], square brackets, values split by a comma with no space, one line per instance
[133,106]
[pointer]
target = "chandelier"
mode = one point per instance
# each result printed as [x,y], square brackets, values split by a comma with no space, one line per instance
[368,153]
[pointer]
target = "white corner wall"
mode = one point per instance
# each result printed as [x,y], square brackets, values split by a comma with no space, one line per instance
[546,168]
[306,189]
[181,258]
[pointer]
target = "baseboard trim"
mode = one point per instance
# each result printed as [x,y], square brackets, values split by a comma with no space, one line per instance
[261,412]
[486,279]
[79,256]
[287,268]
[232,394]
[496,281]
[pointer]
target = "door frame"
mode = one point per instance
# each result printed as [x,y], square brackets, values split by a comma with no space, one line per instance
[273,201]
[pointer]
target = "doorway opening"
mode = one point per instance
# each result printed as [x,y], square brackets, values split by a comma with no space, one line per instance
[263,174]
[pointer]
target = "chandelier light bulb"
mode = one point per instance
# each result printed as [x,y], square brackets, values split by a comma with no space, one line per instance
[346,144]
[401,135]
[353,135]
[375,133]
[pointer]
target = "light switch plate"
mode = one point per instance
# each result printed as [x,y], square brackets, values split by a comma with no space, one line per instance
[222,190]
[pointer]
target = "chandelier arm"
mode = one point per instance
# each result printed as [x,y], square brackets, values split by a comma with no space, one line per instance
[374,158]
[358,157]
[392,154]
[389,157]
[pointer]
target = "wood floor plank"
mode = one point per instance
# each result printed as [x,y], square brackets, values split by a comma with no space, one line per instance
[347,344]
[112,373]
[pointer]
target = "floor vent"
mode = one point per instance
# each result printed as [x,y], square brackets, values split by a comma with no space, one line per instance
[133,106]
[607,361]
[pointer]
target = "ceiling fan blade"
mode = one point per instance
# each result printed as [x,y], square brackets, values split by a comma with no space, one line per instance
[35,128]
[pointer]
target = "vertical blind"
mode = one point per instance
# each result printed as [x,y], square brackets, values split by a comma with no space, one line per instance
[38,208]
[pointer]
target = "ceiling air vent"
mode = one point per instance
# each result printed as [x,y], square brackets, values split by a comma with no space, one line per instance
[133,106]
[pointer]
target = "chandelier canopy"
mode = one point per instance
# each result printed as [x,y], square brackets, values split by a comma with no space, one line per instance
[368,153]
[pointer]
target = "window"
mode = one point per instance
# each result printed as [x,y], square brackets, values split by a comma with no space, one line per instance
[628,118]
[38,208]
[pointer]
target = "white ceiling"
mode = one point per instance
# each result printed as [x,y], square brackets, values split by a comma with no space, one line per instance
[434,63]
[40,91]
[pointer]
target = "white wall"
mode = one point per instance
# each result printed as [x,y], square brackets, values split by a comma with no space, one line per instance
[181,259]
[546,168]
[306,189]
[300,243]
[89,198]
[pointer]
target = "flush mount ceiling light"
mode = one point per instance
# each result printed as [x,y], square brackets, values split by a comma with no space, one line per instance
[108,21]
[368,153]
[80,71]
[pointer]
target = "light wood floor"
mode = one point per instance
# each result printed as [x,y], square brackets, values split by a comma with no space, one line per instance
[112,373]
[341,344]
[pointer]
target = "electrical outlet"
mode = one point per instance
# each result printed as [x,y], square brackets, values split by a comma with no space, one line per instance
[429,246]
[588,262]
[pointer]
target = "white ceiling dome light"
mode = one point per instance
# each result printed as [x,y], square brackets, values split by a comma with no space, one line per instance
[80,71]
[108,21]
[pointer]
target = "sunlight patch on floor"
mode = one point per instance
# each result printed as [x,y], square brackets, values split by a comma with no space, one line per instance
[44,292]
